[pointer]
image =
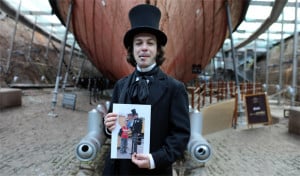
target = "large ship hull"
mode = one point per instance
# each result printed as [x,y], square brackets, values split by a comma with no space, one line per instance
[196,30]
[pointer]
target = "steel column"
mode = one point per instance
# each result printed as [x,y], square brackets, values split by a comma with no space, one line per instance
[13,38]
[224,66]
[79,73]
[62,53]
[48,44]
[240,103]
[31,42]
[69,65]
[267,61]
[245,68]
[281,59]
[254,67]
[295,58]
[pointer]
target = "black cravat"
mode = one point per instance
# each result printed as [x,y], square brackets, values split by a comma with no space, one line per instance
[139,89]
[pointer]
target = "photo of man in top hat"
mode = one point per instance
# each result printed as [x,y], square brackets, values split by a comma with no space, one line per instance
[136,131]
[148,84]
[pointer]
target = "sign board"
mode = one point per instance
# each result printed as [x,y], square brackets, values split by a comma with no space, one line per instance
[69,100]
[258,110]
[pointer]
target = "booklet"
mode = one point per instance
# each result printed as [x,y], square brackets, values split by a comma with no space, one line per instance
[132,132]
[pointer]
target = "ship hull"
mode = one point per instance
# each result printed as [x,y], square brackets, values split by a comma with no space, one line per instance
[196,30]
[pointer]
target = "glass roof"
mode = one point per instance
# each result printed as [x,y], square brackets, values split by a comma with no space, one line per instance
[39,11]
[258,12]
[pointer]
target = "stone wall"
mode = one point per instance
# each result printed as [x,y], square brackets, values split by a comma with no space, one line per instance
[29,70]
[274,69]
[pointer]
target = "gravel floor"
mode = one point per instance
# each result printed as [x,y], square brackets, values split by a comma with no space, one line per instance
[33,143]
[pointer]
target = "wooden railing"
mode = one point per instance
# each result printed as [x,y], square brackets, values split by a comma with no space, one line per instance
[206,93]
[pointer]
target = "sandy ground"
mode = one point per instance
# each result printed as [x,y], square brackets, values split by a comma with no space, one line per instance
[33,143]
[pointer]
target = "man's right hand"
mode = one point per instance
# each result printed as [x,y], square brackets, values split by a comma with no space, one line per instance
[110,121]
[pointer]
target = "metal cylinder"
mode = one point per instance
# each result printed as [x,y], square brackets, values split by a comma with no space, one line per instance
[198,147]
[90,145]
[196,121]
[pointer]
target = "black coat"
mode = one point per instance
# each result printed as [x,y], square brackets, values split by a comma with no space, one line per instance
[170,125]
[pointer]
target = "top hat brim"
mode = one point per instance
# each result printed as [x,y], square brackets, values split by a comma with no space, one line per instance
[160,36]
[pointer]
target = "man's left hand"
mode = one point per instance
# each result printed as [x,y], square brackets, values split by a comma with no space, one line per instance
[141,160]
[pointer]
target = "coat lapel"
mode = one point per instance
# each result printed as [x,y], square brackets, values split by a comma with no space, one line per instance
[158,88]
[123,95]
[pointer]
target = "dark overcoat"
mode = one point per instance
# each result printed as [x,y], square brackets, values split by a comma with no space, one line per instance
[170,125]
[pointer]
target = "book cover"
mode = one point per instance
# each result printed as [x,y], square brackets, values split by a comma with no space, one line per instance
[132,132]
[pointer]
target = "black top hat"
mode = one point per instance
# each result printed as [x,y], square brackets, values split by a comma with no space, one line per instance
[144,18]
[133,111]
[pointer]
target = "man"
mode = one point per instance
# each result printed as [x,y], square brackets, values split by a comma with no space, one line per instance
[148,84]
[136,133]
[124,139]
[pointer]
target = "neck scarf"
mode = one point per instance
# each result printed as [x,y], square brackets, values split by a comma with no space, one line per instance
[139,89]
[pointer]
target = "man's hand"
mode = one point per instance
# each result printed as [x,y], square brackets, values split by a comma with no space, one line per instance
[110,121]
[141,160]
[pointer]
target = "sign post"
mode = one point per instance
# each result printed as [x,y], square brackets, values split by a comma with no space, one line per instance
[258,110]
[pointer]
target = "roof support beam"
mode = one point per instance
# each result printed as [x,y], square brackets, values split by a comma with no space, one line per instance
[30,12]
[261,21]
[268,3]
[49,24]
[276,11]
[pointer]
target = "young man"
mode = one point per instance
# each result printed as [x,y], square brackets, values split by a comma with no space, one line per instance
[124,139]
[148,84]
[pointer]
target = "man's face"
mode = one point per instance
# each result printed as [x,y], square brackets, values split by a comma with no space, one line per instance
[144,49]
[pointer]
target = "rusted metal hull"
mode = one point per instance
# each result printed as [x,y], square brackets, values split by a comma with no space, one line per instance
[196,30]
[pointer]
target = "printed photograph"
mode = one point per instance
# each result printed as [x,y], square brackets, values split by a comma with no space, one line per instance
[132,132]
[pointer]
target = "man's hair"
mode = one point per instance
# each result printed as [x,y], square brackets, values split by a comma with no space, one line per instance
[159,57]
